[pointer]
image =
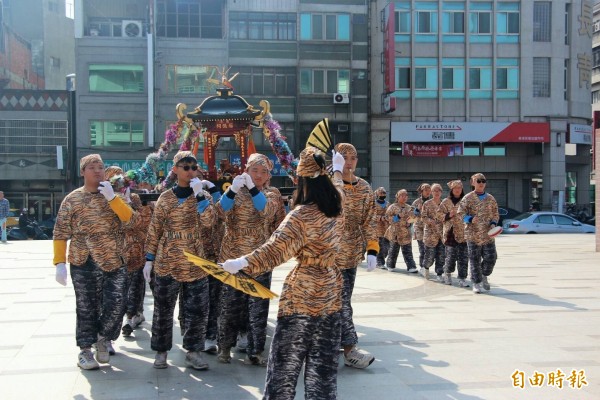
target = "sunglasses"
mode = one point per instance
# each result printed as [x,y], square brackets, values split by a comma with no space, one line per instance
[478,180]
[188,167]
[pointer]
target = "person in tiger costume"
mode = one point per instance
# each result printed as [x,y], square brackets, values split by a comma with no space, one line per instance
[453,235]
[360,235]
[424,191]
[432,234]
[307,332]
[381,206]
[479,211]
[248,209]
[93,218]
[176,226]
[398,234]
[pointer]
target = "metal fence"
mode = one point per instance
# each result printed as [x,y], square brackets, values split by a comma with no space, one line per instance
[32,137]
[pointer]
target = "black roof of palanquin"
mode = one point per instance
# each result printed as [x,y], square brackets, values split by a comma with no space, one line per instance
[225,105]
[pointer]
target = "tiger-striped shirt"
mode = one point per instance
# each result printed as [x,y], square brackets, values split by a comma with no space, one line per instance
[135,234]
[399,231]
[380,218]
[456,222]
[432,231]
[418,226]
[485,210]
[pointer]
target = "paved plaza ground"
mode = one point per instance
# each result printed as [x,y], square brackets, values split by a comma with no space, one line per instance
[431,341]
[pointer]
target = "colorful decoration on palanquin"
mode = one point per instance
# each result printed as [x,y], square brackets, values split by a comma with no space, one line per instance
[272,131]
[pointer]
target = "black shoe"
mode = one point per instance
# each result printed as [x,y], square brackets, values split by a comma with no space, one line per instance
[127,330]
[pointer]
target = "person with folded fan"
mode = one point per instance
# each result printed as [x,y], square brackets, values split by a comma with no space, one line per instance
[479,211]
[93,218]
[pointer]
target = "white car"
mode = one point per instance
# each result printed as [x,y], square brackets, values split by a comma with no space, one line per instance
[545,222]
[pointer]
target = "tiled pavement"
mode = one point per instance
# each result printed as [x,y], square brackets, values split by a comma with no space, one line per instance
[431,341]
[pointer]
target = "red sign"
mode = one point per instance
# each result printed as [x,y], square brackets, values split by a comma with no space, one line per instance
[524,132]
[432,150]
[389,52]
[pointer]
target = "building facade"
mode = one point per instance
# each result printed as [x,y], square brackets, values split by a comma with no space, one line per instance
[500,87]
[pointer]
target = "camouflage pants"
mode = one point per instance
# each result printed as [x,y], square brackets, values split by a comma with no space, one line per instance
[99,302]
[406,254]
[384,246]
[421,252]
[194,301]
[238,311]
[299,339]
[457,255]
[215,287]
[482,259]
[435,254]
[349,337]
[136,290]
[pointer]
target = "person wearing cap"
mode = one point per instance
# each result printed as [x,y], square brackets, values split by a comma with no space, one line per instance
[479,211]
[92,217]
[453,235]
[399,215]
[307,333]
[360,236]
[247,209]
[424,192]
[432,234]
[179,214]
[381,206]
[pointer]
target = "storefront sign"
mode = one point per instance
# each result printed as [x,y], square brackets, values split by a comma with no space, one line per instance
[277,170]
[580,134]
[435,150]
[499,132]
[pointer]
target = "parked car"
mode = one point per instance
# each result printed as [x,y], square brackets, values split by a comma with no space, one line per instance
[545,222]
[13,218]
[506,213]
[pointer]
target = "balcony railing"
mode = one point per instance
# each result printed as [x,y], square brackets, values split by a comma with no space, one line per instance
[32,137]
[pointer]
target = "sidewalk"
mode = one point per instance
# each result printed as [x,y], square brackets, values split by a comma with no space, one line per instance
[431,341]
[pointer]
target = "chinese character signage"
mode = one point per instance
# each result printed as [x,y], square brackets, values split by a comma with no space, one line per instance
[436,150]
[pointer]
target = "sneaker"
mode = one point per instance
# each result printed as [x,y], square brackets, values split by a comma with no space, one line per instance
[413,270]
[391,269]
[424,273]
[463,283]
[127,328]
[256,359]
[242,342]
[160,360]
[477,288]
[137,320]
[381,266]
[485,283]
[358,358]
[86,360]
[210,346]
[439,278]
[102,355]
[448,279]
[110,348]
[224,356]
[194,359]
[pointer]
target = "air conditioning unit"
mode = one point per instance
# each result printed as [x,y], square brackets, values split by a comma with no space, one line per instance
[131,28]
[341,98]
[342,128]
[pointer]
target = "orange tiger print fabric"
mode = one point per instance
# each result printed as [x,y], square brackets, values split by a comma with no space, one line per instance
[360,226]
[456,222]
[279,212]
[380,218]
[432,231]
[176,228]
[399,232]
[485,210]
[94,229]
[418,225]
[245,227]
[136,233]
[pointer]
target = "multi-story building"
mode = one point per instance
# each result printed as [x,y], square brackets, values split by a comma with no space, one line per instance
[137,59]
[499,86]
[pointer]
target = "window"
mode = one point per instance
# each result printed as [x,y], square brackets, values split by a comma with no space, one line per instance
[544,219]
[542,21]
[494,149]
[262,26]
[324,27]
[116,78]
[403,78]
[453,78]
[425,78]
[402,22]
[480,23]
[562,220]
[190,79]
[507,74]
[189,19]
[541,77]
[425,22]
[480,78]
[324,81]
[566,23]
[53,7]
[566,80]
[471,149]
[266,81]
[117,133]
[453,22]
[507,22]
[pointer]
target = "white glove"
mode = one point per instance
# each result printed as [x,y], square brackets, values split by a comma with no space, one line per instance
[233,266]
[371,262]
[196,185]
[128,195]
[207,184]
[237,183]
[61,274]
[338,161]
[147,270]
[107,191]
[249,181]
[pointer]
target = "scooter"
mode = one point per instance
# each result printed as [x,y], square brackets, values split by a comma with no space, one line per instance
[32,231]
